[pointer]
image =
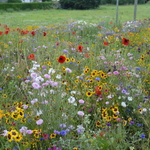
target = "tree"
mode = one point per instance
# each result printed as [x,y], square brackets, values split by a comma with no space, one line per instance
[79,4]
[46,0]
[14,1]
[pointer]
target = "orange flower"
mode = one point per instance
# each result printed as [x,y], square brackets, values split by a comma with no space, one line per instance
[1,114]
[31,56]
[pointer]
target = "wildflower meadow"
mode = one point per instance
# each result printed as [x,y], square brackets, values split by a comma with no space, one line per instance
[75,86]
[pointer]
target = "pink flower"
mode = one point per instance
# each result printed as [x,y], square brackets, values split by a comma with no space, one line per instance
[47,76]
[80,113]
[109,73]
[39,122]
[81,101]
[29,131]
[115,72]
[35,85]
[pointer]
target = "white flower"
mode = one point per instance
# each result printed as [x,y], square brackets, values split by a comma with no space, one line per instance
[52,92]
[71,99]
[58,76]
[40,112]
[4,133]
[123,104]
[63,94]
[129,98]
[51,71]
[73,92]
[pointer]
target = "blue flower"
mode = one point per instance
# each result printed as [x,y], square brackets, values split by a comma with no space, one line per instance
[142,136]
[63,132]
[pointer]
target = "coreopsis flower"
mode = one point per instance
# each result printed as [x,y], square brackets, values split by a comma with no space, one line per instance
[61,59]
[125,41]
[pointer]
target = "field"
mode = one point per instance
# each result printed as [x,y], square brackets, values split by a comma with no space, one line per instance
[74,80]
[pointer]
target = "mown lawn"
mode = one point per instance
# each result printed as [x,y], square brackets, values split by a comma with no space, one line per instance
[53,16]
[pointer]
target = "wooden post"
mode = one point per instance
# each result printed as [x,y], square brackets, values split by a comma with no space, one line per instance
[135,8]
[117,4]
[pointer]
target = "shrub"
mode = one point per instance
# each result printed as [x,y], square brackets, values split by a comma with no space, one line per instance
[24,6]
[79,4]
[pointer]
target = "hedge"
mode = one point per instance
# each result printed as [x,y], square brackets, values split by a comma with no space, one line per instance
[25,6]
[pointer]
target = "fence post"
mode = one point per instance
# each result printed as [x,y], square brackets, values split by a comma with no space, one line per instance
[135,8]
[117,3]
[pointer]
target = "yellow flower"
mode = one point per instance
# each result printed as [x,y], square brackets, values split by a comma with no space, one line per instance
[53,135]
[4,96]
[14,133]
[18,138]
[98,124]
[89,93]
[9,136]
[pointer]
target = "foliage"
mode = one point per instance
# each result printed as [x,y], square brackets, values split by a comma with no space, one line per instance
[24,6]
[46,0]
[79,4]
[14,1]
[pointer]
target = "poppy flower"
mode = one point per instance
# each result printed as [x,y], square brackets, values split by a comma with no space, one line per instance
[73,33]
[31,56]
[87,55]
[61,59]
[44,33]
[125,41]
[105,43]
[1,32]
[33,33]
[98,90]
[80,48]
[6,32]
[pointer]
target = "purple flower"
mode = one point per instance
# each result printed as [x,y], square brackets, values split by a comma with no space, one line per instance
[62,125]
[65,51]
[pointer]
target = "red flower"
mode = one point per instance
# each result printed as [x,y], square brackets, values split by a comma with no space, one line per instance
[1,32]
[125,41]
[6,32]
[61,59]
[44,33]
[24,32]
[98,91]
[87,55]
[73,33]
[80,48]
[31,56]
[105,43]
[33,33]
